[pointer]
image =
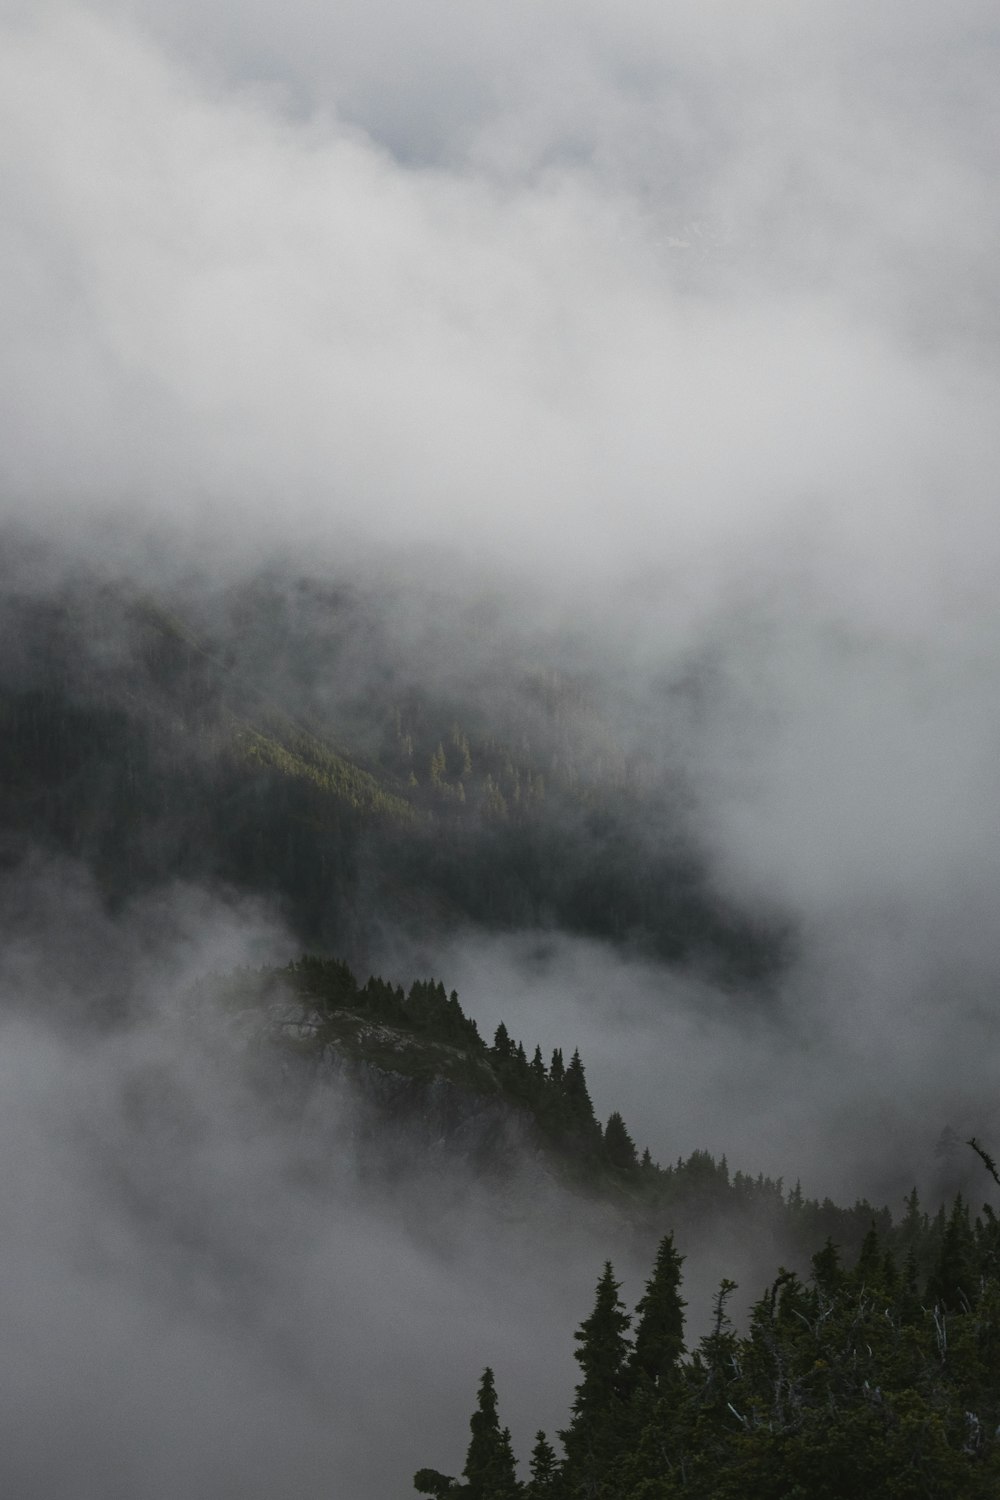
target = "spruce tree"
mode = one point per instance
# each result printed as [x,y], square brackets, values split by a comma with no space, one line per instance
[952,1282]
[659,1329]
[545,1470]
[503,1047]
[619,1147]
[828,1273]
[490,1472]
[590,1440]
[868,1270]
[581,1120]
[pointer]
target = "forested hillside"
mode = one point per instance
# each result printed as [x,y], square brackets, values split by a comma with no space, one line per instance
[868,1365]
[315,1009]
[270,737]
[877,1376]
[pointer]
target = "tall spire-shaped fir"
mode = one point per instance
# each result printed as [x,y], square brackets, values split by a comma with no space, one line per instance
[659,1332]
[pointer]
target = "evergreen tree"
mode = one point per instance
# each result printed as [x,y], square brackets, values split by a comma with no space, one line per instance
[619,1147]
[581,1120]
[590,1440]
[868,1270]
[853,1387]
[828,1273]
[659,1328]
[545,1470]
[502,1046]
[952,1282]
[490,1472]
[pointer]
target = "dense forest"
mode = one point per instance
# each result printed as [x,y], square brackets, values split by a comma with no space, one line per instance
[865,1379]
[275,736]
[315,1008]
[869,1368]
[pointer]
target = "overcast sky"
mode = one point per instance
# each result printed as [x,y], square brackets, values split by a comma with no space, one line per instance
[603,292]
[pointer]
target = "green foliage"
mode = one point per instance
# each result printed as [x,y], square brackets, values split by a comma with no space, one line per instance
[619,1147]
[423,1033]
[844,1386]
[490,1472]
[546,1475]
[593,1437]
[659,1332]
[235,743]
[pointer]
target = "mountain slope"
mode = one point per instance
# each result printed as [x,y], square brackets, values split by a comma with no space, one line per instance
[284,751]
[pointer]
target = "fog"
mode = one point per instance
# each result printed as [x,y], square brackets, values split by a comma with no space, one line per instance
[216,1280]
[672,334]
[638,298]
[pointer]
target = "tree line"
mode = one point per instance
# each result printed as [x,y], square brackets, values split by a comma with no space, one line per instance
[858,1380]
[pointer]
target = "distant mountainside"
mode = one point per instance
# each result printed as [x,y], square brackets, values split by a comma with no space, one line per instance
[868,1365]
[267,737]
[430,1079]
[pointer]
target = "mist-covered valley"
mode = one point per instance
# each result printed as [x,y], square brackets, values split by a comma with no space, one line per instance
[505,498]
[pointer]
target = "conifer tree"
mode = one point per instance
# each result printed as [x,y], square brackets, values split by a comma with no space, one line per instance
[579,1110]
[590,1439]
[545,1470]
[828,1273]
[619,1147]
[659,1329]
[490,1472]
[869,1265]
[952,1281]
[715,1351]
[502,1045]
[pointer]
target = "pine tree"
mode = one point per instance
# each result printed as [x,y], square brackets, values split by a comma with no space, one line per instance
[619,1147]
[590,1439]
[502,1048]
[490,1472]
[715,1352]
[952,1282]
[868,1270]
[545,1470]
[659,1329]
[582,1121]
[828,1273]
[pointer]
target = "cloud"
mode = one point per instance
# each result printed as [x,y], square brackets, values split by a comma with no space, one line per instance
[218,1280]
[236,299]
